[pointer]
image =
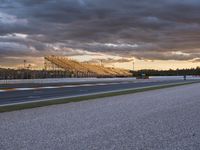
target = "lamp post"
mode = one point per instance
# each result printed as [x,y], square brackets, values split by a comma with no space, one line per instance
[133,66]
[24,64]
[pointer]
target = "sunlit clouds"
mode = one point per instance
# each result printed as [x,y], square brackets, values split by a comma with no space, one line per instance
[115,31]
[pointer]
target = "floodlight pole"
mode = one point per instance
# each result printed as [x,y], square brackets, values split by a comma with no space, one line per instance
[133,66]
[24,64]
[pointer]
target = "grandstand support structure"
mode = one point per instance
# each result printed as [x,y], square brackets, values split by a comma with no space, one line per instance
[48,65]
[78,69]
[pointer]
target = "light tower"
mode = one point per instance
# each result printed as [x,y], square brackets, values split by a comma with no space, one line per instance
[25,64]
[101,62]
[133,64]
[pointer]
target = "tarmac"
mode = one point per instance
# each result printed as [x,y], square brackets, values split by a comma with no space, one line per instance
[165,119]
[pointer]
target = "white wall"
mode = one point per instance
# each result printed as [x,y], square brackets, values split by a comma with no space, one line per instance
[81,80]
[63,80]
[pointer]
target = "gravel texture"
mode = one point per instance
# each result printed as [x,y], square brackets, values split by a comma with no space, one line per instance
[164,119]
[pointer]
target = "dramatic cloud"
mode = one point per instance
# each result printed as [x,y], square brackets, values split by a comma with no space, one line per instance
[110,60]
[145,29]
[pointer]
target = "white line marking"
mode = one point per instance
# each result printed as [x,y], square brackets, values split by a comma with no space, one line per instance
[23,89]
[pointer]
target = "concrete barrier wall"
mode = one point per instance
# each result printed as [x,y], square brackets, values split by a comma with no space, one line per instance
[174,77]
[64,80]
[82,80]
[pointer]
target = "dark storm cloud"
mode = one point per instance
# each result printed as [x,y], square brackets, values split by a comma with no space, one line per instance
[146,29]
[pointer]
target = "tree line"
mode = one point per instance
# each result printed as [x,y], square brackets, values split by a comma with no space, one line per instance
[170,72]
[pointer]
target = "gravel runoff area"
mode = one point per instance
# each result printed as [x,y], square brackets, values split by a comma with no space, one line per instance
[164,119]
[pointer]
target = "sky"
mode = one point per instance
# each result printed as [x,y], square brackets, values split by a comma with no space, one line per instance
[156,34]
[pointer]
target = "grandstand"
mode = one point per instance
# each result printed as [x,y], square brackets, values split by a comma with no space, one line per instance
[78,69]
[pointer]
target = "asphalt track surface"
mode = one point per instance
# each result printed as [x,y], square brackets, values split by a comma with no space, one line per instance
[60,90]
[165,119]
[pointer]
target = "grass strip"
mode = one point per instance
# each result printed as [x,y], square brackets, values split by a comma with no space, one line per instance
[7,108]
